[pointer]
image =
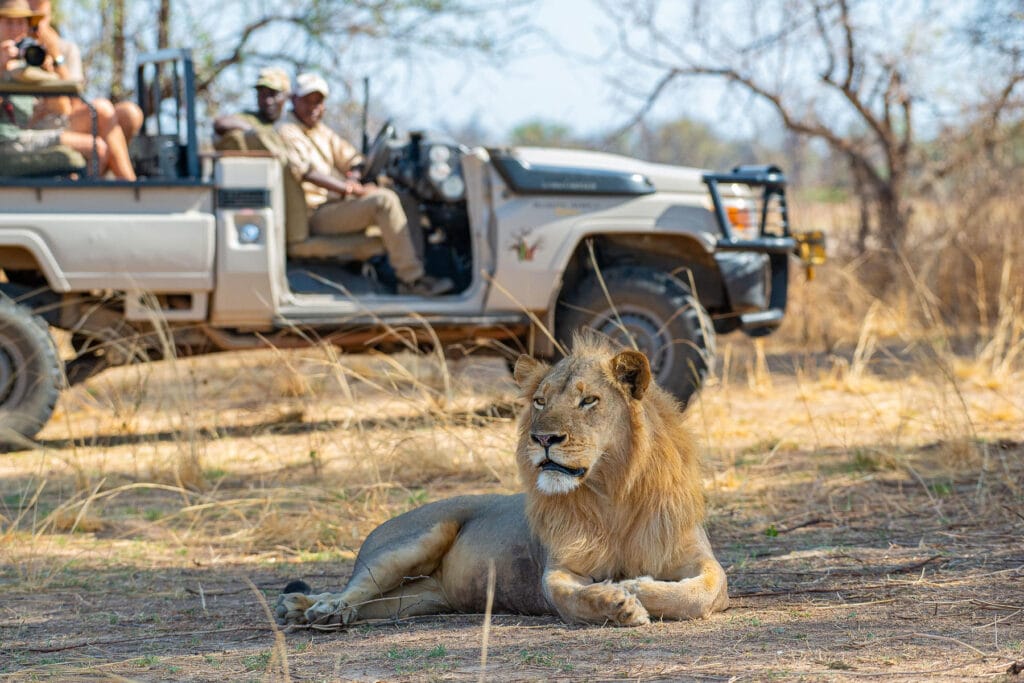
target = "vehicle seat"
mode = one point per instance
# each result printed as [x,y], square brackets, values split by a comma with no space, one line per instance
[52,161]
[301,245]
[354,247]
[157,156]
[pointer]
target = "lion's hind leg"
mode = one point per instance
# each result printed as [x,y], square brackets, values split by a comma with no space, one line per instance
[413,598]
[392,577]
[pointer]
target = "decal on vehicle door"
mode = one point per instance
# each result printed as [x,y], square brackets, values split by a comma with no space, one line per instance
[524,248]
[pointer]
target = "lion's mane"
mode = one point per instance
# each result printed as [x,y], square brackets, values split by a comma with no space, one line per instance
[624,521]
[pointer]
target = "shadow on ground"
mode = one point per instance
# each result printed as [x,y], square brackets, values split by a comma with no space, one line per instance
[851,570]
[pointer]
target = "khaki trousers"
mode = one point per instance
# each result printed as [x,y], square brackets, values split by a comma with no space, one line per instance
[382,208]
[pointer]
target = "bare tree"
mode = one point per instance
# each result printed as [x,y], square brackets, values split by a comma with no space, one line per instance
[303,34]
[864,77]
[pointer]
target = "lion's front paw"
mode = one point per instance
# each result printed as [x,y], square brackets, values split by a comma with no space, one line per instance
[330,610]
[618,606]
[630,612]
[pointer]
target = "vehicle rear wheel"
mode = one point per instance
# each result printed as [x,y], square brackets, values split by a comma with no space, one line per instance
[652,309]
[30,376]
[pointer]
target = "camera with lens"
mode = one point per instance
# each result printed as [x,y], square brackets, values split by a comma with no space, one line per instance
[31,50]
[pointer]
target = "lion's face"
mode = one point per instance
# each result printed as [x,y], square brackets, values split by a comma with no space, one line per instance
[577,415]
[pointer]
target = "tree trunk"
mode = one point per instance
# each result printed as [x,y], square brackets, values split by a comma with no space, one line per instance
[862,190]
[163,26]
[892,216]
[117,52]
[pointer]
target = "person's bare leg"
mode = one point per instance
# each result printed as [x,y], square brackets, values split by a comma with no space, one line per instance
[83,143]
[118,161]
[129,119]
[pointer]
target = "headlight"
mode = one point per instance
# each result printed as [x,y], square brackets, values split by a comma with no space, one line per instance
[452,188]
[249,233]
[743,216]
[439,170]
[439,154]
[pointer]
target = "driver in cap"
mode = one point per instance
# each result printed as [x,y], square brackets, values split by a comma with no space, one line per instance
[340,204]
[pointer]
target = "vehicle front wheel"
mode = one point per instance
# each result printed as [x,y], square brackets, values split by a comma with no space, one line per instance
[30,376]
[655,311]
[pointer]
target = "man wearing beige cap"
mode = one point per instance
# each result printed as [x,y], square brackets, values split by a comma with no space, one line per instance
[322,161]
[254,130]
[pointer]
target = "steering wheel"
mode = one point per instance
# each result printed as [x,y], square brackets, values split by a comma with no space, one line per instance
[377,154]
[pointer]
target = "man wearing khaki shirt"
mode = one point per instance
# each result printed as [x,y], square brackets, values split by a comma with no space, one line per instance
[321,160]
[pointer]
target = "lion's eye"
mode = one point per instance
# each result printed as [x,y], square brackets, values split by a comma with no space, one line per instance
[588,401]
[538,402]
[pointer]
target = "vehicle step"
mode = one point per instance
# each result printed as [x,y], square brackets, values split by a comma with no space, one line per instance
[417,321]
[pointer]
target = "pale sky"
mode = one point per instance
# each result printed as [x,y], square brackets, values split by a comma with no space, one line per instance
[565,79]
[565,82]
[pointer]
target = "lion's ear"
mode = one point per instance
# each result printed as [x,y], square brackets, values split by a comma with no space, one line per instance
[632,370]
[526,370]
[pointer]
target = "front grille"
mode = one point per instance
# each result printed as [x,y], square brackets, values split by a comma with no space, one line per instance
[243,198]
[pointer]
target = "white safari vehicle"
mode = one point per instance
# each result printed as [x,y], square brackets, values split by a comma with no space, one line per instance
[209,253]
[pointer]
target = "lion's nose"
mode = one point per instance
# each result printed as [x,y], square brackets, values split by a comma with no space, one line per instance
[548,440]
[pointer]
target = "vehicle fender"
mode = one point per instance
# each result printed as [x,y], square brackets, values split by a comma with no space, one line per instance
[691,246]
[32,243]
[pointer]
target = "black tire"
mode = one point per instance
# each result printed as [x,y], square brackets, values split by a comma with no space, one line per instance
[30,374]
[658,311]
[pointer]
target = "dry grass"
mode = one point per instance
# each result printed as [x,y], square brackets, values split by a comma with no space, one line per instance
[863,465]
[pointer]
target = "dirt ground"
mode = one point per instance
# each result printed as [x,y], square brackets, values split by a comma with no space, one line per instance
[870,521]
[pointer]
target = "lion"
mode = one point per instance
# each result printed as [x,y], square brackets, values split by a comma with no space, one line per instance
[609,529]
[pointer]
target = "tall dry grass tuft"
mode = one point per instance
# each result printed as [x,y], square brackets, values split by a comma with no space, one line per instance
[970,233]
[1002,343]
[186,471]
[951,325]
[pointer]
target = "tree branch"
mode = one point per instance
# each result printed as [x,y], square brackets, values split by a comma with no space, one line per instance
[652,98]
[851,52]
[238,54]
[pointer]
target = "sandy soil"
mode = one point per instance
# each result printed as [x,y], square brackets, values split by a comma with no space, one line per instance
[870,523]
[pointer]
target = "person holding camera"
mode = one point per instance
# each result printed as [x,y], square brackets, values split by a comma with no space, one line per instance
[324,163]
[61,118]
[20,115]
[66,57]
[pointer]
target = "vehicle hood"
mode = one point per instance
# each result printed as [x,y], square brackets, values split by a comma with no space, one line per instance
[665,178]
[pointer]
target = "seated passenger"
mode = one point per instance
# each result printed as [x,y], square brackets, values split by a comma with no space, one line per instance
[59,113]
[21,130]
[339,204]
[254,130]
[16,136]
[128,115]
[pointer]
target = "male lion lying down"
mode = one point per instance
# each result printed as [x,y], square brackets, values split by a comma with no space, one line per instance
[609,529]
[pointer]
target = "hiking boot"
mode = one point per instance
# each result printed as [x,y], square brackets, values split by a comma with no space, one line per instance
[426,285]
